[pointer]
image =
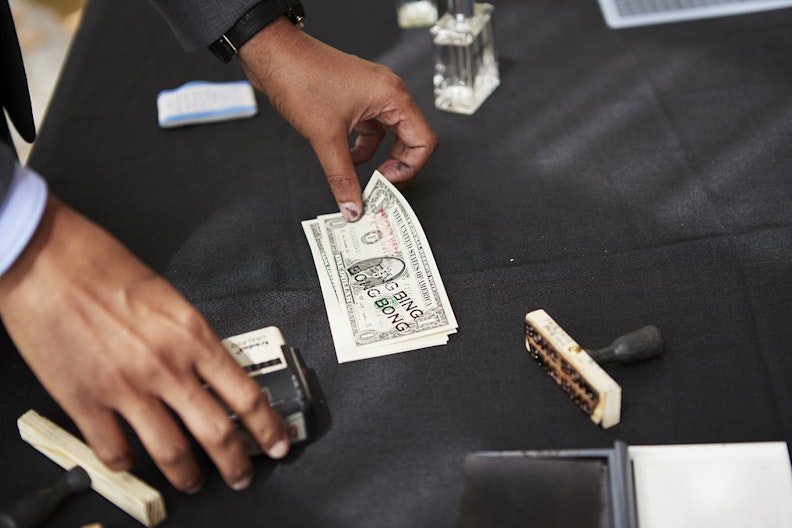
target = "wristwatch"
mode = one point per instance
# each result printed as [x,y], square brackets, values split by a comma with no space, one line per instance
[254,20]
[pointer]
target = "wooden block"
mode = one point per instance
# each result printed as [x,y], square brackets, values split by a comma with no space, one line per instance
[123,489]
[581,378]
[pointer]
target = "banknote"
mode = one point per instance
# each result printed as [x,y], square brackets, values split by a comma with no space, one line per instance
[381,286]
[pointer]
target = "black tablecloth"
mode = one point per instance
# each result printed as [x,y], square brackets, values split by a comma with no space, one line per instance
[615,179]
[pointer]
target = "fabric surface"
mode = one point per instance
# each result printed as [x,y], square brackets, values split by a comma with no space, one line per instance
[615,179]
[8,161]
[14,97]
[20,214]
[198,23]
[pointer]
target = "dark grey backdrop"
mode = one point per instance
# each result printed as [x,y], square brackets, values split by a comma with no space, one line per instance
[616,179]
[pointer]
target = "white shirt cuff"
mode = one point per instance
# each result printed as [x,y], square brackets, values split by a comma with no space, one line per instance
[20,214]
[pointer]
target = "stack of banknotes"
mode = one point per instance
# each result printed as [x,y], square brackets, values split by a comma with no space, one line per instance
[379,279]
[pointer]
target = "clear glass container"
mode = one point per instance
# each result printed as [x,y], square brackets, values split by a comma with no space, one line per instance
[466,63]
[416,13]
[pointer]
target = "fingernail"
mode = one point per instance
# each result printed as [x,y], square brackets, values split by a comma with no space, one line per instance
[279,450]
[350,211]
[194,488]
[242,483]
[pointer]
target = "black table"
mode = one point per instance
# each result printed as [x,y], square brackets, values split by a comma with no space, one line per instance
[615,179]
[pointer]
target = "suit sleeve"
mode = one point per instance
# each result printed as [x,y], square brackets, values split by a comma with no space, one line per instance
[198,23]
[7,161]
[13,83]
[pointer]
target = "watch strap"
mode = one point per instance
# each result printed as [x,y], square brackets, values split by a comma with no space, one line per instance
[254,20]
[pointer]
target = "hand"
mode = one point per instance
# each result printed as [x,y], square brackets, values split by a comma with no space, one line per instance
[104,334]
[326,95]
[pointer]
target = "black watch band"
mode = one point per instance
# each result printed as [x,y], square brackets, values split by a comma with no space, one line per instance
[254,20]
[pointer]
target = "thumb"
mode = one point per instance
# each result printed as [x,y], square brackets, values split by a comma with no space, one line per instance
[336,162]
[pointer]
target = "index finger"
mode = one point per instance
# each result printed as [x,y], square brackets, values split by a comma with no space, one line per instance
[245,398]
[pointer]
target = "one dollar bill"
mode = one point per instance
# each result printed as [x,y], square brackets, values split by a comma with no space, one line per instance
[381,287]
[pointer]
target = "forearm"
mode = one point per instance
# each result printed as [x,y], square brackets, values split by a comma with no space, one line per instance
[282,55]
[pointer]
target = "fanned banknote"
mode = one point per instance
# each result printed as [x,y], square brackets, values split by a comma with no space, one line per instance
[380,283]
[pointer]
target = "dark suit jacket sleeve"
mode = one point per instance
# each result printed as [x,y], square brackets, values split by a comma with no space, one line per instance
[7,160]
[13,97]
[13,83]
[198,23]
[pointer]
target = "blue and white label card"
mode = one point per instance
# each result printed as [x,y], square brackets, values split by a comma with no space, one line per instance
[206,102]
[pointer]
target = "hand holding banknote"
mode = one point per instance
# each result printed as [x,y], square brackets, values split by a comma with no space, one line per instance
[330,95]
[382,290]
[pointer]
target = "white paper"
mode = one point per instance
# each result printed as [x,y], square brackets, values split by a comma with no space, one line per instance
[740,485]
[628,13]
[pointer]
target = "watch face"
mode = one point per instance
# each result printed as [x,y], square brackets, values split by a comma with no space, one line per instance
[296,13]
[223,49]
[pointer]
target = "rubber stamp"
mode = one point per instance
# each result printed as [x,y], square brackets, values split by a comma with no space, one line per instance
[577,371]
[278,370]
